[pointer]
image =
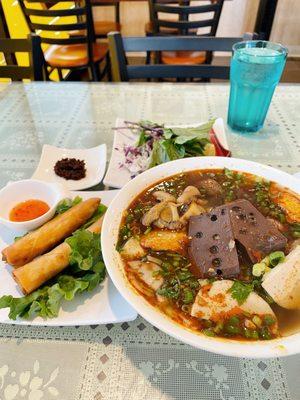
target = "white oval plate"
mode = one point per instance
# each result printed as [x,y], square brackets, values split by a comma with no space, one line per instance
[275,348]
[95,163]
[104,305]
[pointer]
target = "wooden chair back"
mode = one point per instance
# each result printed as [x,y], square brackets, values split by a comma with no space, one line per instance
[32,46]
[119,46]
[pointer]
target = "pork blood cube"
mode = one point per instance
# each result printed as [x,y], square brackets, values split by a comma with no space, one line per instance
[212,249]
[256,234]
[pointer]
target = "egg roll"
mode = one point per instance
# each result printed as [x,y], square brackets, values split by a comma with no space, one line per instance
[34,274]
[50,234]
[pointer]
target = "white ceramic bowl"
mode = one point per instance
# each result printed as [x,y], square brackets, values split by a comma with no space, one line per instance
[261,349]
[16,192]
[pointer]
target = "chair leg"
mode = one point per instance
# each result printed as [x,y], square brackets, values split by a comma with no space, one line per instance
[148,57]
[95,73]
[108,66]
[47,73]
[60,75]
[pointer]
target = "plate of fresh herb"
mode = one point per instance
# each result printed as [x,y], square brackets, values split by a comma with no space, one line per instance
[141,145]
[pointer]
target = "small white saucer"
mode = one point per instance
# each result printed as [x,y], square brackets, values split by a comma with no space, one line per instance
[95,163]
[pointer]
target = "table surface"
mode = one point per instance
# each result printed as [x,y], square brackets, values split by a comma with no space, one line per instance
[131,360]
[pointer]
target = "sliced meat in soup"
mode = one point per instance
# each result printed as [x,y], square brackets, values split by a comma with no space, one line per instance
[210,249]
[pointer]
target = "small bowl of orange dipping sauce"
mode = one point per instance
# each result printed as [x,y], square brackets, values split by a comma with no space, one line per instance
[26,205]
[28,210]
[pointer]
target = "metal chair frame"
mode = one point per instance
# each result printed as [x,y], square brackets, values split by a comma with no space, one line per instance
[183,9]
[119,46]
[32,46]
[111,3]
[84,23]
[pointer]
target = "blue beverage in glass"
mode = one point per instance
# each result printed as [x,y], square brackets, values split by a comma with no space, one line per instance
[255,70]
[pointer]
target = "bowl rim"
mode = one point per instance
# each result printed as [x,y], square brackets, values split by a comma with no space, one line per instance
[54,187]
[280,347]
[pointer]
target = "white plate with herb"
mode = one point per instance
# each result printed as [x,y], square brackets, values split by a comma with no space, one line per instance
[103,305]
[142,145]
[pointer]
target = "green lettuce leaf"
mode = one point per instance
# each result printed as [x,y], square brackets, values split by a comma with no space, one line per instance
[142,138]
[65,204]
[195,132]
[46,302]
[97,214]
[195,147]
[86,249]
[168,133]
[86,272]
[164,151]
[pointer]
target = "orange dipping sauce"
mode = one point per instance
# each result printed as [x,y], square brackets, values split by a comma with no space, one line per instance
[28,210]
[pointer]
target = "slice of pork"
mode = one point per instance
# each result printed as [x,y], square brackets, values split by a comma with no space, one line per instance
[215,303]
[282,283]
[147,272]
[132,249]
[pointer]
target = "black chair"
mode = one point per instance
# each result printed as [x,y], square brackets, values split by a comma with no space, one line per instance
[102,28]
[183,9]
[4,33]
[10,59]
[32,45]
[184,25]
[72,52]
[118,47]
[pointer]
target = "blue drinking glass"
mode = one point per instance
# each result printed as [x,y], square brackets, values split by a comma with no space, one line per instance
[255,70]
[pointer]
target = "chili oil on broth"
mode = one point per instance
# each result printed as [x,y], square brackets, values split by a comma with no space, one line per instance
[235,185]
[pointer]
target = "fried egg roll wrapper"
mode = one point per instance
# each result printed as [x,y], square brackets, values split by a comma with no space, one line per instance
[34,274]
[50,234]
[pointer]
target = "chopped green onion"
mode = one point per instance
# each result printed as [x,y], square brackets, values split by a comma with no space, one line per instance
[149,229]
[251,334]
[265,334]
[259,269]
[219,327]
[269,320]
[188,296]
[248,333]
[209,332]
[155,273]
[207,323]
[234,320]
[276,257]
[257,321]
[232,329]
